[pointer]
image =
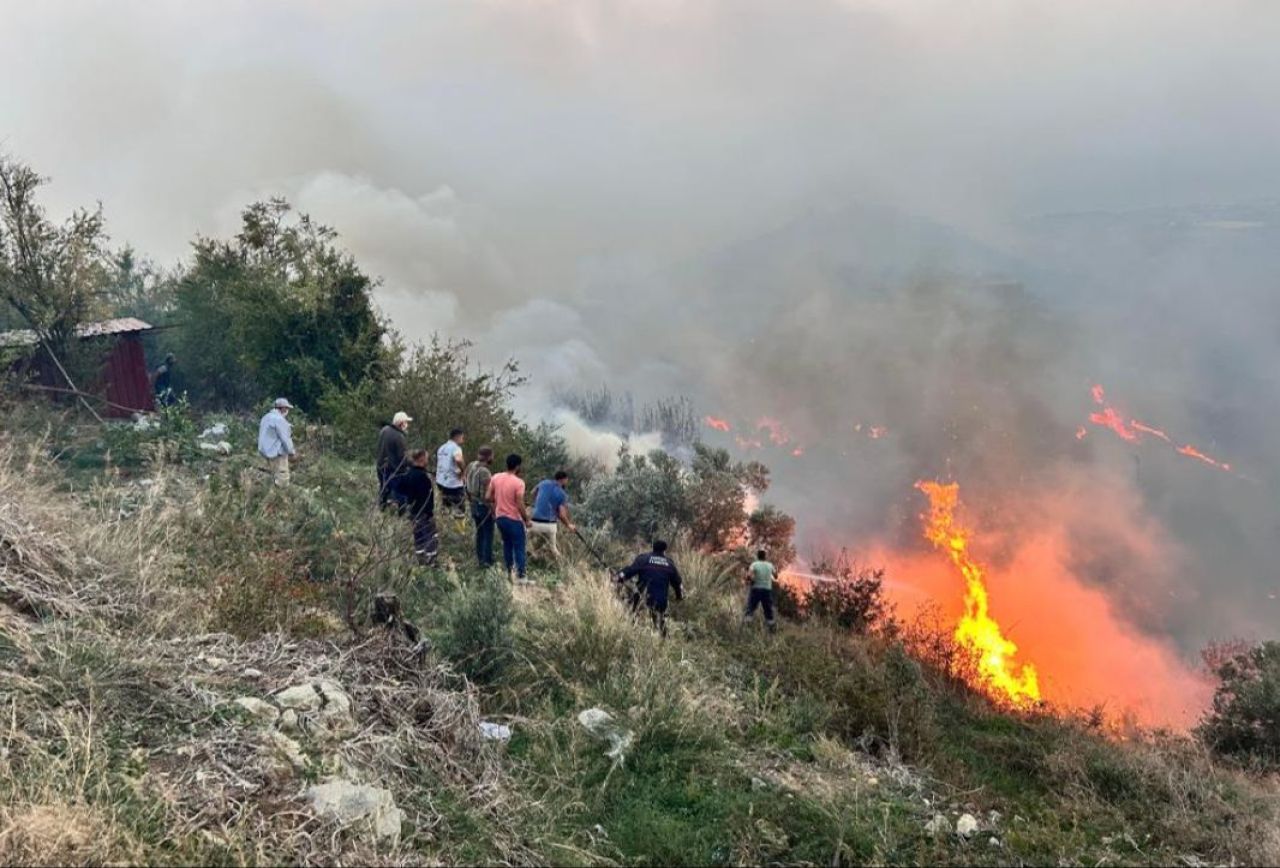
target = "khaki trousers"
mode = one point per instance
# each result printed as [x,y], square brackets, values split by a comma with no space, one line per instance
[548,529]
[278,467]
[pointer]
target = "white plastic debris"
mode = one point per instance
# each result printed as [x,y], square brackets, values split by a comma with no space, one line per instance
[494,731]
[222,447]
[967,825]
[214,432]
[601,724]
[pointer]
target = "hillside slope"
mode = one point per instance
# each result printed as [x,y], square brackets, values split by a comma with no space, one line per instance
[180,685]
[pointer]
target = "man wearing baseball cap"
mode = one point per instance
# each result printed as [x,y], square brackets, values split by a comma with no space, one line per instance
[392,445]
[275,440]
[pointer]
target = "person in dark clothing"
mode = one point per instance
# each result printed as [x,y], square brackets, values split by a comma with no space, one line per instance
[162,382]
[477,478]
[392,445]
[655,573]
[415,495]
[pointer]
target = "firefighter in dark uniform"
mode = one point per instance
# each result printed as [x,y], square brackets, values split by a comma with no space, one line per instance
[654,573]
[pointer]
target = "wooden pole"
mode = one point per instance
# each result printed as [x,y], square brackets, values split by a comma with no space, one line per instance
[70,383]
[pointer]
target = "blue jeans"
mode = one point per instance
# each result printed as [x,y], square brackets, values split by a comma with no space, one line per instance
[513,544]
[482,515]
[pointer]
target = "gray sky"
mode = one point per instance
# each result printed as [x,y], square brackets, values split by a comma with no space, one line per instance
[600,123]
[787,208]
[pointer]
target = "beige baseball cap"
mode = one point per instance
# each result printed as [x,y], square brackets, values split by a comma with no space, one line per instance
[401,417]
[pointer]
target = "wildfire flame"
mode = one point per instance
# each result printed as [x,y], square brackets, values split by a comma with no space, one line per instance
[1002,677]
[778,434]
[1193,452]
[717,424]
[1132,430]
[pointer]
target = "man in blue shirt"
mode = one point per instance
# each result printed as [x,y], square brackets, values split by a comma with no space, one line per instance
[550,507]
[275,440]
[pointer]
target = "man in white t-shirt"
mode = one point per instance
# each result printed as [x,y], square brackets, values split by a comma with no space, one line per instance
[449,466]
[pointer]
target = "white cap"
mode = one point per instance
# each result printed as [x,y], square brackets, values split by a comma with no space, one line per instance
[400,417]
[282,404]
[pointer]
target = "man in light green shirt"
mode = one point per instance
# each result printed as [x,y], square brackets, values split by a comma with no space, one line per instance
[761,574]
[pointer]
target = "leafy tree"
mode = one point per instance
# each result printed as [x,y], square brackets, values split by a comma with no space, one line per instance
[646,497]
[439,386]
[279,310]
[135,287]
[718,497]
[771,529]
[51,276]
[1244,722]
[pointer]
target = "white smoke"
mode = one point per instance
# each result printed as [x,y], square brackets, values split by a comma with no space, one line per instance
[603,447]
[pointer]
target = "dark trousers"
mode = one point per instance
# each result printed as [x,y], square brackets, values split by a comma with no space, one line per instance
[482,515]
[756,598]
[384,486]
[454,499]
[658,613]
[513,544]
[426,542]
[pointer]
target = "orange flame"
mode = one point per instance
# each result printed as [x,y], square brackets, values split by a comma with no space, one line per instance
[1147,429]
[777,432]
[1193,452]
[717,424]
[977,631]
[1132,430]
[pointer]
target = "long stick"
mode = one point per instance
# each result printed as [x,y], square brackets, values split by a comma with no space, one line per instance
[67,377]
[82,395]
[593,552]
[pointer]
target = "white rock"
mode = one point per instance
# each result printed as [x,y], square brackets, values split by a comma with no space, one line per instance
[251,673]
[350,803]
[214,431]
[289,749]
[300,697]
[262,712]
[601,724]
[494,731]
[321,707]
[993,842]
[288,720]
[939,825]
[967,825]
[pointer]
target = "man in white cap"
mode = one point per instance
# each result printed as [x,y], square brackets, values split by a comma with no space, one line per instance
[392,449]
[275,440]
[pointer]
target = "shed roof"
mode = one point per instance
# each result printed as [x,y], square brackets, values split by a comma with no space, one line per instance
[120,326]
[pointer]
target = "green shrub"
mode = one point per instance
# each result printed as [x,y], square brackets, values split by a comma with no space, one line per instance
[1244,722]
[475,628]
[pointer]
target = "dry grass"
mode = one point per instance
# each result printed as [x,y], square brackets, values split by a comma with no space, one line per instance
[120,739]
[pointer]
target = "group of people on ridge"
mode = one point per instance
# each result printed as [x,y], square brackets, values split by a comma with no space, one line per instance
[497,501]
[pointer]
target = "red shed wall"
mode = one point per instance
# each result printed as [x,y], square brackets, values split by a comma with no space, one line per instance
[125,383]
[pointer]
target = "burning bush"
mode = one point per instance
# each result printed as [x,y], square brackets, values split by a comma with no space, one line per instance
[1244,722]
[844,596]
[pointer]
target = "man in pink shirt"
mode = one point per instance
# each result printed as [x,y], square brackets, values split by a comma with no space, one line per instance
[506,493]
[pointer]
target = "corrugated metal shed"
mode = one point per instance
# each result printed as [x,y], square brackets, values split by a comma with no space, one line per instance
[123,380]
[120,326]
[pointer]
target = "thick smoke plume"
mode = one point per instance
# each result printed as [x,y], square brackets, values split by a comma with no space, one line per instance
[822,214]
